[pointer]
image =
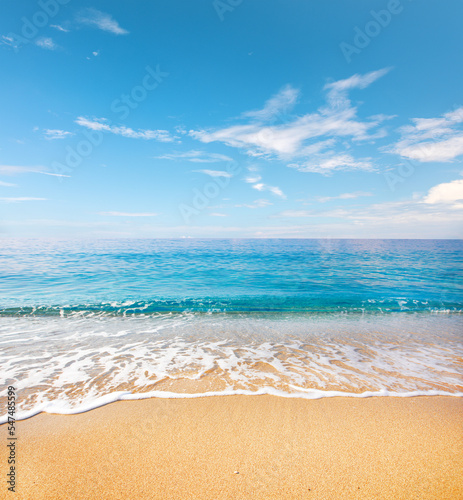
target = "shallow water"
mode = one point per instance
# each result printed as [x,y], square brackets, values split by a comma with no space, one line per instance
[81,321]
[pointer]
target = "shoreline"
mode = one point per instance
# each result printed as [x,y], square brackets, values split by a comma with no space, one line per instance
[77,360]
[55,408]
[339,447]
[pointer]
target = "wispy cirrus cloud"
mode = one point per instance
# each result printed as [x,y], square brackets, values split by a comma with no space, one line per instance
[128,214]
[102,125]
[328,162]
[215,173]
[53,174]
[195,157]
[7,40]
[338,90]
[261,203]
[260,186]
[442,204]
[343,196]
[400,219]
[432,139]
[20,199]
[311,142]
[252,178]
[46,43]
[51,134]
[7,184]
[255,180]
[20,169]
[43,42]
[100,20]
[294,214]
[59,28]
[279,104]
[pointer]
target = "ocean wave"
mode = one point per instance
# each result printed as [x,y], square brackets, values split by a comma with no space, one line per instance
[71,363]
[252,304]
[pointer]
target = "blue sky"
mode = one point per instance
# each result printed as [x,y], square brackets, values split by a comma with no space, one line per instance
[231,119]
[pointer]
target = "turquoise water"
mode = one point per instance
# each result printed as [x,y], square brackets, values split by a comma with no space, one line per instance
[148,276]
[89,322]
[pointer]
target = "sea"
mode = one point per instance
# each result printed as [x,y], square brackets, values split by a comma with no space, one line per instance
[84,323]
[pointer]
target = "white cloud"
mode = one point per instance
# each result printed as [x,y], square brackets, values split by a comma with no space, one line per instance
[101,20]
[7,40]
[261,203]
[53,175]
[446,150]
[251,179]
[294,213]
[327,163]
[218,215]
[343,196]
[59,28]
[7,184]
[19,169]
[215,173]
[304,140]
[19,199]
[438,213]
[46,43]
[102,125]
[255,179]
[448,192]
[432,139]
[276,105]
[273,189]
[128,214]
[406,219]
[337,91]
[196,157]
[51,134]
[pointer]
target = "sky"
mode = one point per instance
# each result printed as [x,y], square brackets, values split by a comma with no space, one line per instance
[231,119]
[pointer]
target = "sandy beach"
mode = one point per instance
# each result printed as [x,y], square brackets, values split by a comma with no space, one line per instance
[242,447]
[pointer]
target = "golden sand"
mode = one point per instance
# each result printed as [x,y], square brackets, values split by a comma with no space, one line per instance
[245,447]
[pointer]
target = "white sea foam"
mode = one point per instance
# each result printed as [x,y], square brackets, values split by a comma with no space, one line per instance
[72,365]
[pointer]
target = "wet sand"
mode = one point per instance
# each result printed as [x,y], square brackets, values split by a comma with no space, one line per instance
[245,447]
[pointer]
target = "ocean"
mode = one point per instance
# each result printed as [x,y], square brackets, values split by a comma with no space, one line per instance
[83,323]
